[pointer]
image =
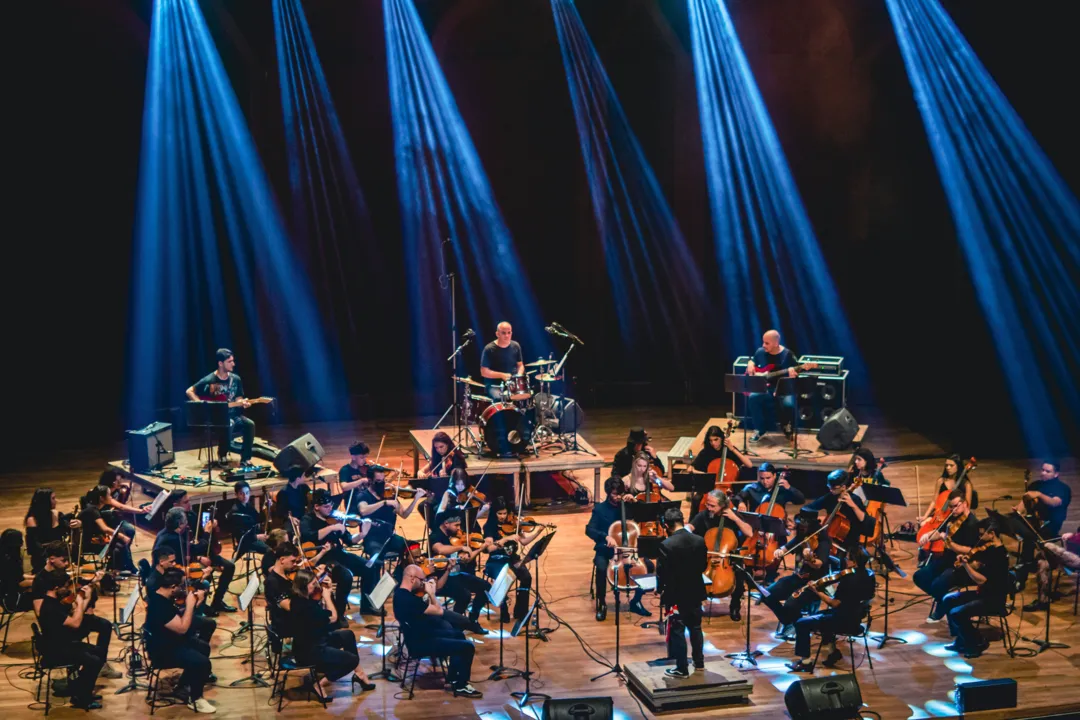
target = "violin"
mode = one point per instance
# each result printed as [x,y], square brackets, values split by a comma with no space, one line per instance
[474,541]
[823,582]
[974,551]
[87,577]
[434,564]
[471,497]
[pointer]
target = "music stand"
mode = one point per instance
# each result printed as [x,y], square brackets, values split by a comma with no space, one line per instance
[209,416]
[497,596]
[528,696]
[134,659]
[377,597]
[247,602]
[745,384]
[760,524]
[533,556]
[797,386]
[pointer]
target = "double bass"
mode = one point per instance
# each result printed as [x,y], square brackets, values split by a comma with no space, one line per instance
[723,468]
[941,512]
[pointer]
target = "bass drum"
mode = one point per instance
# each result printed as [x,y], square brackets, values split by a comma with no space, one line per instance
[507,432]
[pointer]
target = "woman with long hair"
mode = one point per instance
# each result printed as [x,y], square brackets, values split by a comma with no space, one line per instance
[14,583]
[44,524]
[950,476]
[643,476]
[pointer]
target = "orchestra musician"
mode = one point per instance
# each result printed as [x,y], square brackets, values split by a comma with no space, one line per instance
[318,639]
[356,472]
[762,406]
[683,562]
[318,527]
[637,441]
[373,504]
[164,558]
[950,473]
[939,575]
[643,476]
[459,483]
[604,514]
[94,526]
[753,495]
[719,506]
[850,505]
[44,524]
[1050,498]
[116,504]
[1068,554]
[61,642]
[420,614]
[292,500]
[242,519]
[715,440]
[811,563]
[206,546]
[57,562]
[277,589]
[170,641]
[223,385]
[14,582]
[177,534]
[463,584]
[445,457]
[987,567]
[501,360]
[504,548]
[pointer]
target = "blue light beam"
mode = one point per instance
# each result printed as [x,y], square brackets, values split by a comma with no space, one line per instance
[445,194]
[1017,222]
[200,179]
[658,288]
[771,267]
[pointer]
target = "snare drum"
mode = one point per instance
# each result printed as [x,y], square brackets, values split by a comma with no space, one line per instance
[516,388]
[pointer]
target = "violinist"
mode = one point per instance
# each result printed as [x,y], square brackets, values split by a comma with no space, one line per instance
[61,634]
[202,549]
[58,562]
[292,500]
[717,506]
[116,505]
[277,587]
[242,518]
[319,526]
[357,472]
[44,524]
[459,486]
[445,457]
[463,584]
[604,514]
[274,538]
[939,575]
[170,641]
[373,503]
[844,612]
[643,476]
[637,441]
[811,563]
[94,526]
[318,639]
[421,616]
[504,544]
[14,581]
[164,558]
[1049,498]
[683,561]
[987,567]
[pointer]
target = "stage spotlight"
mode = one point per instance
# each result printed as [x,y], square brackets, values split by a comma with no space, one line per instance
[1016,219]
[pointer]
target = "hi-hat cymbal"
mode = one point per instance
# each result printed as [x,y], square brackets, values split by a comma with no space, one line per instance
[540,363]
[468,381]
[546,378]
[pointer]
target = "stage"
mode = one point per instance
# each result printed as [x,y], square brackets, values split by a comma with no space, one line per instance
[913,680]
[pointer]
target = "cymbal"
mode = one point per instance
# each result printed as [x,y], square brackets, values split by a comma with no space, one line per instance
[468,381]
[546,378]
[540,363]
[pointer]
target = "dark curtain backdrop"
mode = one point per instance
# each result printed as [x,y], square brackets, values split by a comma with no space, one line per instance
[831,76]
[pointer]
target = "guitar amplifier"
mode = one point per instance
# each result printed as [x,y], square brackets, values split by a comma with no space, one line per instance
[150,448]
[827,364]
[830,395]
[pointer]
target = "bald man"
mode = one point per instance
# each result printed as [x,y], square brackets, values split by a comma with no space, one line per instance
[770,357]
[501,360]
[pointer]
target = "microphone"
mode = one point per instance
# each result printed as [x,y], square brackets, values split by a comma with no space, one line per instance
[469,334]
[552,330]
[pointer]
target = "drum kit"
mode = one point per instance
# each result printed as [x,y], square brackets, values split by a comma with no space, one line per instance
[523,418]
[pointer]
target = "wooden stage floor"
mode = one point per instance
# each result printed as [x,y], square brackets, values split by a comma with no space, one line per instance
[913,680]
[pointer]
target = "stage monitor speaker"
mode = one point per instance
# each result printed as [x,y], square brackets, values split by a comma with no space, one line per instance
[986,695]
[571,415]
[825,698]
[838,430]
[303,453]
[586,708]
[150,448]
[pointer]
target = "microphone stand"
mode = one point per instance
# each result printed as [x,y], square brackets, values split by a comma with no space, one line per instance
[747,655]
[528,695]
[887,563]
[617,668]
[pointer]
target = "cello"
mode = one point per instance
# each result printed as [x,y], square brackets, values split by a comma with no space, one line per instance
[769,543]
[837,523]
[625,565]
[720,542]
[941,512]
[724,468]
[876,508]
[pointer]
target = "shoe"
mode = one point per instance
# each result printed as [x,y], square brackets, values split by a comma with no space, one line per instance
[211,678]
[1036,606]
[677,673]
[800,666]
[957,647]
[930,619]
[601,612]
[368,609]
[787,431]
[834,657]
[638,608]
[756,437]
[735,613]
[479,630]
[504,615]
[108,671]
[364,686]
[787,632]
[468,691]
[202,705]
[208,611]
[976,651]
[85,704]
[699,668]
[223,607]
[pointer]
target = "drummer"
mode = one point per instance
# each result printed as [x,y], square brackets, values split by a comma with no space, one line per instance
[501,360]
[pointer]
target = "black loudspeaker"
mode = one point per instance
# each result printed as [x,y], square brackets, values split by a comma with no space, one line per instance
[571,416]
[986,695]
[586,708]
[303,453]
[829,395]
[824,698]
[150,448]
[838,430]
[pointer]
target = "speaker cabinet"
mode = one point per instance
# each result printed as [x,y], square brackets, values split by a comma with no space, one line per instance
[986,695]
[838,430]
[826,698]
[586,708]
[150,448]
[303,453]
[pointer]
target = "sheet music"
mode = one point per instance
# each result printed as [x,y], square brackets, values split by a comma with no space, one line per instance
[158,502]
[250,592]
[129,609]
[646,582]
[500,586]
[382,590]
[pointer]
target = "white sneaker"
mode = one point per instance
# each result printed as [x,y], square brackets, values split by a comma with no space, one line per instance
[202,705]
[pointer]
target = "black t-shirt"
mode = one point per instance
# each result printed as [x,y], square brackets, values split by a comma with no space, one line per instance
[240,518]
[755,493]
[993,564]
[853,590]
[37,591]
[501,359]
[387,514]
[293,500]
[409,608]
[215,389]
[1053,517]
[702,522]
[89,517]
[706,456]
[348,474]
[310,622]
[276,587]
[159,612]
[51,617]
[312,524]
[780,361]
[967,535]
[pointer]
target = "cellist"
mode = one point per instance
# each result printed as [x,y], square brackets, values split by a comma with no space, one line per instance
[604,514]
[718,506]
[715,440]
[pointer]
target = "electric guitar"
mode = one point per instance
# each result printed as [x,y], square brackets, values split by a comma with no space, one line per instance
[771,373]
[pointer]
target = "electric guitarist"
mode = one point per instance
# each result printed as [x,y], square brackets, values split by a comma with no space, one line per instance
[774,361]
[223,385]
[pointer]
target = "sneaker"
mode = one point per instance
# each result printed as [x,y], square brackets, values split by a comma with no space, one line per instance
[468,691]
[756,437]
[110,672]
[956,646]
[677,673]
[930,619]
[202,705]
